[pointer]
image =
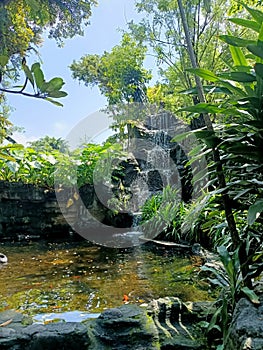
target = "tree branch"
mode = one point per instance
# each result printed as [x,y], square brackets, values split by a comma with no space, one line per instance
[20,92]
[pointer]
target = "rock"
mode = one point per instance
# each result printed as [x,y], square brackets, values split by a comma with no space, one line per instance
[166,323]
[175,322]
[246,329]
[70,336]
[124,328]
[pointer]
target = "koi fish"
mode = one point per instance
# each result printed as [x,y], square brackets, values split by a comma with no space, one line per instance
[125,298]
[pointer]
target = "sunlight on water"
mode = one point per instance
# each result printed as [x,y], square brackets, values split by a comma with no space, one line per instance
[60,277]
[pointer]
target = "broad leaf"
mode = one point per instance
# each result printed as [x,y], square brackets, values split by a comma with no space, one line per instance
[13,166]
[246,23]
[259,69]
[232,88]
[241,77]
[256,50]
[235,41]
[203,108]
[57,94]
[238,56]
[227,262]
[207,89]
[254,211]
[256,14]
[251,295]
[54,84]
[260,37]
[54,102]
[204,73]
[29,74]
[38,74]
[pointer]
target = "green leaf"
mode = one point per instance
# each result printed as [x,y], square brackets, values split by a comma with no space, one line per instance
[57,94]
[54,102]
[232,88]
[254,211]
[256,14]
[240,77]
[260,37]
[203,73]
[246,23]
[238,56]
[227,262]
[29,74]
[54,84]
[256,50]
[235,41]
[33,4]
[259,69]
[202,108]
[251,295]
[3,60]
[207,89]
[241,193]
[207,108]
[38,74]
[208,137]
[182,136]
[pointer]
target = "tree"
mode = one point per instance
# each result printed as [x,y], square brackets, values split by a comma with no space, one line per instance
[47,144]
[118,73]
[161,29]
[22,23]
[240,142]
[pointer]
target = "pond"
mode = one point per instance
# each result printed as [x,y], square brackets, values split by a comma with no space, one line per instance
[48,277]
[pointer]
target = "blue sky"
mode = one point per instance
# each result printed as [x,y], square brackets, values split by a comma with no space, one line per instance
[40,118]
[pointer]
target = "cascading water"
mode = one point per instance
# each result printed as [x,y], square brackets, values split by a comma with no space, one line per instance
[154,162]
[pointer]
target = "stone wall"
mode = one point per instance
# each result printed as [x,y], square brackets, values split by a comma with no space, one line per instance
[29,210]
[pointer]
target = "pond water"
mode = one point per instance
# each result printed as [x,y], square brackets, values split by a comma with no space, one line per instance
[48,277]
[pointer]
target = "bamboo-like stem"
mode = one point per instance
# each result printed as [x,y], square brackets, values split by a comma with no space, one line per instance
[216,155]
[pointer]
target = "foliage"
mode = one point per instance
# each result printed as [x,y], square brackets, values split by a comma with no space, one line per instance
[98,162]
[24,21]
[161,30]
[118,73]
[48,144]
[151,207]
[43,89]
[41,164]
[164,213]
[229,278]
[239,139]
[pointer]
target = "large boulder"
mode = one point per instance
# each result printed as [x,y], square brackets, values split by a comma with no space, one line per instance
[246,330]
[124,328]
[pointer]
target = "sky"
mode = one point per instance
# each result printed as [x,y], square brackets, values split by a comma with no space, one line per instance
[39,117]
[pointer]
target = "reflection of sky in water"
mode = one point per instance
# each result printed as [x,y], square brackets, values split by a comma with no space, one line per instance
[70,316]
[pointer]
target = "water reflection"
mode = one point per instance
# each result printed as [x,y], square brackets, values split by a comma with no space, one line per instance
[58,277]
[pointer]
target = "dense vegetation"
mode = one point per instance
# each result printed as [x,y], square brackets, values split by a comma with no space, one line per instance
[211,75]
